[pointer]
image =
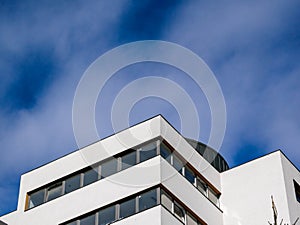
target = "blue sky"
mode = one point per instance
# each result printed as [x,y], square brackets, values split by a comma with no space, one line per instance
[253,48]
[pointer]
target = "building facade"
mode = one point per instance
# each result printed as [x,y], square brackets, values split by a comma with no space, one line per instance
[150,174]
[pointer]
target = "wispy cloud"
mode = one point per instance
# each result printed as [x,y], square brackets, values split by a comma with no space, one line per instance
[45,47]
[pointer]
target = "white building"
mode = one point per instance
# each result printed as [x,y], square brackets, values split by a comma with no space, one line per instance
[150,174]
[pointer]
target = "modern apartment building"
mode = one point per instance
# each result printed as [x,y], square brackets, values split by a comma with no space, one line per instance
[150,174]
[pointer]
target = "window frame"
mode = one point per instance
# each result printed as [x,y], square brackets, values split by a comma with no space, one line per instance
[297,190]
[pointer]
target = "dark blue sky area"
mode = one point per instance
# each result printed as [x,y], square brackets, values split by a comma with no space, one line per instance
[34,73]
[148,19]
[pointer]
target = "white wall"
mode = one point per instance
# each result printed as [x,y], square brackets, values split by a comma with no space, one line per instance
[148,217]
[247,191]
[291,173]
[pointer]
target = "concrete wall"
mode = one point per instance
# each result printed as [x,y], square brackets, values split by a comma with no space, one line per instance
[247,191]
[291,173]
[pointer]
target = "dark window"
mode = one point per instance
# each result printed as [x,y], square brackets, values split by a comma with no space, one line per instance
[72,223]
[177,163]
[165,152]
[37,198]
[107,215]
[72,183]
[201,185]
[148,152]
[90,176]
[297,191]
[147,200]
[179,211]
[127,208]
[54,191]
[128,160]
[109,167]
[89,220]
[189,174]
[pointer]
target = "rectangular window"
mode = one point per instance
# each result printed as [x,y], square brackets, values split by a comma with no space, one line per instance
[89,220]
[177,163]
[166,200]
[147,200]
[72,183]
[36,198]
[297,191]
[148,152]
[90,176]
[202,187]
[190,220]
[127,208]
[54,191]
[109,167]
[165,152]
[72,223]
[213,197]
[128,160]
[189,175]
[107,215]
[179,211]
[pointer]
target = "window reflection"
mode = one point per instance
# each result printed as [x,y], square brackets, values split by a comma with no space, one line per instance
[54,191]
[109,167]
[37,198]
[148,152]
[72,183]
[127,208]
[147,200]
[89,220]
[128,160]
[107,215]
[90,176]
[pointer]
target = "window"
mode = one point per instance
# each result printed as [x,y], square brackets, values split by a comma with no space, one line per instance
[148,152]
[165,152]
[128,160]
[297,191]
[109,167]
[179,211]
[89,220]
[54,191]
[177,163]
[166,200]
[201,185]
[72,223]
[37,198]
[190,220]
[213,196]
[72,183]
[147,200]
[127,208]
[189,175]
[90,176]
[107,215]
